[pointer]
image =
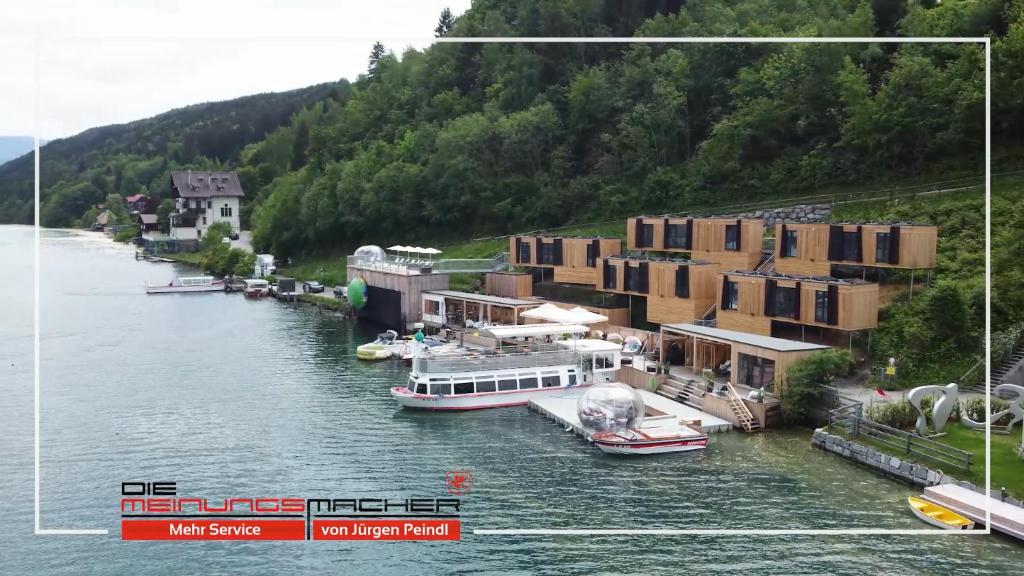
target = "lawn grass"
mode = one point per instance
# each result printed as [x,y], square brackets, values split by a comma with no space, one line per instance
[1007,466]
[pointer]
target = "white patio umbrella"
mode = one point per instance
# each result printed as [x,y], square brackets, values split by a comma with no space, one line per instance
[584,316]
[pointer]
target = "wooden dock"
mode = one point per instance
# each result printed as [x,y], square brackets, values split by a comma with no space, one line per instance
[1006,518]
[562,409]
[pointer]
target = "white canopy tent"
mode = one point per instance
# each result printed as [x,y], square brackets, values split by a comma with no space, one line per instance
[551,313]
[534,330]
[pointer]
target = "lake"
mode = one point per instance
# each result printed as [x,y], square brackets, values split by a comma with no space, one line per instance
[233,397]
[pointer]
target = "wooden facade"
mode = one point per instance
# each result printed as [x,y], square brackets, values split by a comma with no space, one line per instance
[573,260]
[732,243]
[812,249]
[508,284]
[751,302]
[709,347]
[404,289]
[676,290]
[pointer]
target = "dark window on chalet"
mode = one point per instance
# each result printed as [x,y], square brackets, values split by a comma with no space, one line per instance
[610,276]
[463,387]
[789,244]
[507,384]
[527,383]
[632,281]
[821,306]
[676,236]
[644,235]
[785,302]
[851,246]
[592,255]
[547,253]
[731,296]
[732,236]
[524,253]
[485,386]
[550,381]
[683,282]
[883,240]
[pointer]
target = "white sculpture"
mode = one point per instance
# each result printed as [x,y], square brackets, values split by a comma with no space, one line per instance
[1016,408]
[940,411]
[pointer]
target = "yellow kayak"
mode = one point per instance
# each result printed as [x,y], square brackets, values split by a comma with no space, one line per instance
[938,516]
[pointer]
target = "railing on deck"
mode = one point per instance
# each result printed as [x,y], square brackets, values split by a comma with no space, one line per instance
[514,361]
[412,265]
[847,415]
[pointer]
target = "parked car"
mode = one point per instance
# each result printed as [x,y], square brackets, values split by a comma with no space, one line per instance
[340,292]
[233,235]
[225,240]
[312,286]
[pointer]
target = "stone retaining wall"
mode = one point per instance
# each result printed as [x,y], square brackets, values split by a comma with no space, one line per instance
[798,213]
[890,465]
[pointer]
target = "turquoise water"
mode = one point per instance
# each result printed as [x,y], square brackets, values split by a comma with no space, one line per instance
[228,396]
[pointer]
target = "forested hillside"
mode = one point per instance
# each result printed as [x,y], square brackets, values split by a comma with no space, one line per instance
[127,159]
[489,138]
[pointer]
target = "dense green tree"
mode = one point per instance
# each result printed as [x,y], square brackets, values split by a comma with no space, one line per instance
[444,23]
[377,54]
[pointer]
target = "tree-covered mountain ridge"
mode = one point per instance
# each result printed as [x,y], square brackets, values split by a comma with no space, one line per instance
[467,138]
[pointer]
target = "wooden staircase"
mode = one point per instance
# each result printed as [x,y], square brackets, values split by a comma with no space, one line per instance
[746,420]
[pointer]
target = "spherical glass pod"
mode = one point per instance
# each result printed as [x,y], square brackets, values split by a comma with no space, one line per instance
[369,254]
[610,407]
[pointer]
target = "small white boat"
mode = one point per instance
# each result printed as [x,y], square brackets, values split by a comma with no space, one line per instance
[188,284]
[677,437]
[387,345]
[429,345]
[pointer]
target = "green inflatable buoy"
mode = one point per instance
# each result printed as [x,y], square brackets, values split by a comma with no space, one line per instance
[357,293]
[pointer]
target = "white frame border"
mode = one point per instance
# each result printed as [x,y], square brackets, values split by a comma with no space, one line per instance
[39,530]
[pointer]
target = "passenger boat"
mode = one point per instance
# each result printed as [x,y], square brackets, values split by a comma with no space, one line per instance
[662,437]
[938,516]
[188,284]
[510,375]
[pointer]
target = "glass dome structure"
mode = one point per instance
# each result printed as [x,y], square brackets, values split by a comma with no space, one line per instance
[610,407]
[369,254]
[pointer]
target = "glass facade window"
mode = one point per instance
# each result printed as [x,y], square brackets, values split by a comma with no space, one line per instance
[790,251]
[821,306]
[756,372]
[524,252]
[882,247]
[675,236]
[644,235]
[547,253]
[732,236]
[731,297]
[785,302]
[851,246]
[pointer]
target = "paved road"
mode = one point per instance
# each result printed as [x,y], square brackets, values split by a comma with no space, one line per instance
[244,241]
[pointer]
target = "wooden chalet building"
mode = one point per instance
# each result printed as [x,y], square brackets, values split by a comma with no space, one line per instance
[732,243]
[572,260]
[813,249]
[677,290]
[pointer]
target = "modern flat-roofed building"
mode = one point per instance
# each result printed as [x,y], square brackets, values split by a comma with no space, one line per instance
[572,260]
[732,243]
[754,302]
[813,249]
[677,290]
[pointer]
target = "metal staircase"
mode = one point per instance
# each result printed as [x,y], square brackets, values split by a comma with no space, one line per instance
[767,262]
[709,317]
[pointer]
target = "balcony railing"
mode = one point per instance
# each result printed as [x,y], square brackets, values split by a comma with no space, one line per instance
[412,265]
